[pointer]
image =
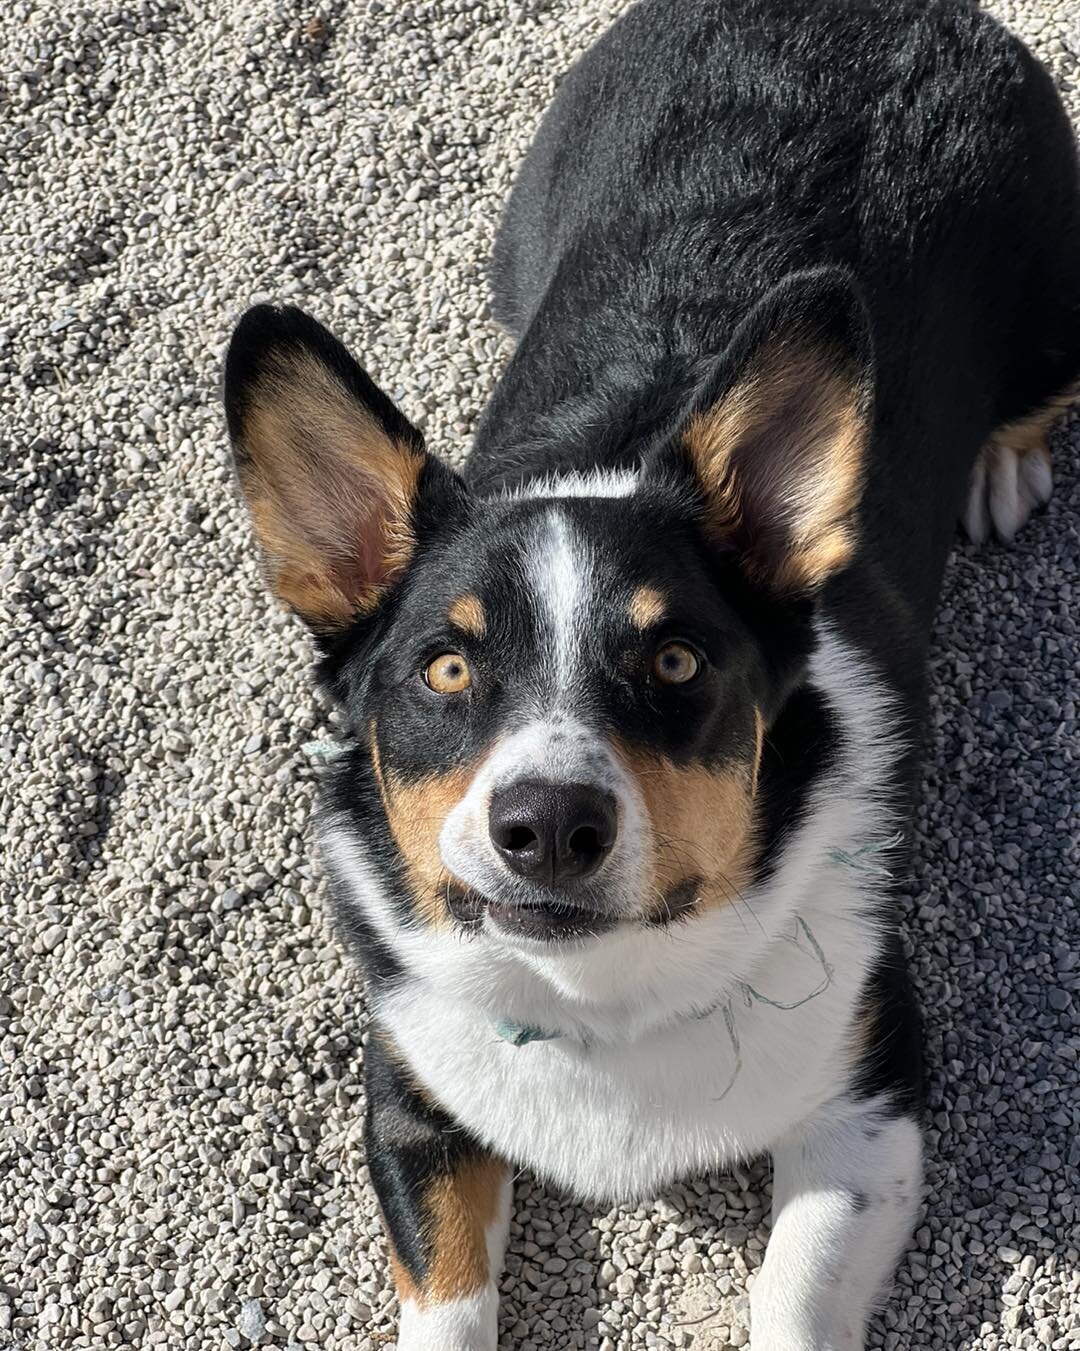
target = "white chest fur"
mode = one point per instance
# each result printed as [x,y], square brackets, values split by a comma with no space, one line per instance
[619,1120]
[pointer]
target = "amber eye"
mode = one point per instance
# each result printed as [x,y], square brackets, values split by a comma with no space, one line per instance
[675,664]
[448,674]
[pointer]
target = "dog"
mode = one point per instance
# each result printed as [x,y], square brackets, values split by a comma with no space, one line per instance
[634,701]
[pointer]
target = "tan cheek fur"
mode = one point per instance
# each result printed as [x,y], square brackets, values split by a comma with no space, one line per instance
[702,823]
[416,812]
[460,1208]
[325,485]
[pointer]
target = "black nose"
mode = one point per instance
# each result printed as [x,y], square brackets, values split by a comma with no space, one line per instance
[553,832]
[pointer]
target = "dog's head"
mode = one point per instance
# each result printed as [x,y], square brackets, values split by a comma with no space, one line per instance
[560,696]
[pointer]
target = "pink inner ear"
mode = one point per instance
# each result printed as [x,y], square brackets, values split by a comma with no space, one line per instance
[368,564]
[349,517]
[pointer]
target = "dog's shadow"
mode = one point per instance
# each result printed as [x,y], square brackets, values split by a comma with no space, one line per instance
[681,1266]
[676,1267]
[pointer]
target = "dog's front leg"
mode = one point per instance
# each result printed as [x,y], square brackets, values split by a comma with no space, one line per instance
[446,1203]
[846,1189]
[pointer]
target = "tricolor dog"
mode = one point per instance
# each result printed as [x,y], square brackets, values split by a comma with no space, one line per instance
[634,701]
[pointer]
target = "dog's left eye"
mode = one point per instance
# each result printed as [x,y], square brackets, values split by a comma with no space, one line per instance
[448,674]
[675,664]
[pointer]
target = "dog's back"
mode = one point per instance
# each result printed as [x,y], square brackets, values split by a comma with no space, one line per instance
[704,149]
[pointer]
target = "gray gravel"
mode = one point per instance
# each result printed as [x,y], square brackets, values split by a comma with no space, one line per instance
[180,1158]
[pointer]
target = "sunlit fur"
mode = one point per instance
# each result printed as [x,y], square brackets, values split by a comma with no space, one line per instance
[330,491]
[779,276]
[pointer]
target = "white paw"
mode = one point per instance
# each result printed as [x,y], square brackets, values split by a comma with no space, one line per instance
[465,1324]
[975,516]
[1036,478]
[1005,487]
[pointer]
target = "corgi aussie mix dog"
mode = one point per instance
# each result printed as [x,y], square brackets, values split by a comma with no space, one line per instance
[634,701]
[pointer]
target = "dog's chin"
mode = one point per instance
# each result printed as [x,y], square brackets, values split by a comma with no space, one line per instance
[519,921]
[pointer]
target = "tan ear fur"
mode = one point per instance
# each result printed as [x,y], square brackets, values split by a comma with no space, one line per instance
[779,458]
[330,492]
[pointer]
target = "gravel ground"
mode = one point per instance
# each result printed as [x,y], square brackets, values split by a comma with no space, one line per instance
[180,1159]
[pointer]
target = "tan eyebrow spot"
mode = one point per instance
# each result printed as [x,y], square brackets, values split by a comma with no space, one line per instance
[467,613]
[647,607]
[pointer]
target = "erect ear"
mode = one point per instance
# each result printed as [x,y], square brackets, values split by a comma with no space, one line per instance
[778,437]
[330,468]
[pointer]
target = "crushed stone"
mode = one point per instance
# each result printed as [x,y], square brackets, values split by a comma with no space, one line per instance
[180,1110]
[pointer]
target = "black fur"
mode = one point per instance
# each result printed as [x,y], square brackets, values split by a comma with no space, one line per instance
[702,152]
[699,153]
[799,751]
[893,1063]
[410,1143]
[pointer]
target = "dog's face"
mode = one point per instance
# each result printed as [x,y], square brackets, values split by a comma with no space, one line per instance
[560,698]
[562,720]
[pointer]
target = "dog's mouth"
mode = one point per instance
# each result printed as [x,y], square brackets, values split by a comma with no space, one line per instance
[550,920]
[540,920]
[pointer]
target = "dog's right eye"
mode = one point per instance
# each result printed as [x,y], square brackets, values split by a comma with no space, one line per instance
[675,664]
[448,674]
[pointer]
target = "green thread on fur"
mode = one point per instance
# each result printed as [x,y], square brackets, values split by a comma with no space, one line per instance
[517,1034]
[864,859]
[750,994]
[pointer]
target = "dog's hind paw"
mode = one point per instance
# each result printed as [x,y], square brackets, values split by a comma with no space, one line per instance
[1006,486]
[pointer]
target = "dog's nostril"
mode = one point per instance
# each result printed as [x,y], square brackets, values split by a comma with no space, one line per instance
[585,842]
[518,838]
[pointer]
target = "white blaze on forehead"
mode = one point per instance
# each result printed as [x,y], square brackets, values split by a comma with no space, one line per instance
[559,570]
[557,749]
